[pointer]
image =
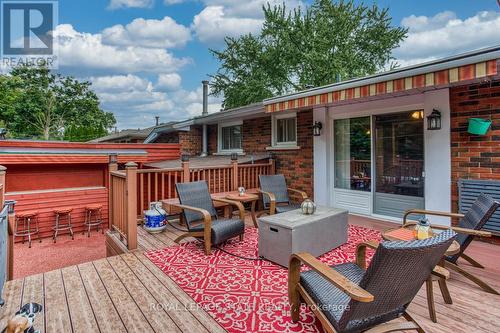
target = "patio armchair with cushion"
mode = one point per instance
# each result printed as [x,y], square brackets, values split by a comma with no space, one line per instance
[276,194]
[470,226]
[201,216]
[351,298]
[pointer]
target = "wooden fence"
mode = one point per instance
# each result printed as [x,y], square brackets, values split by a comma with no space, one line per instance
[131,191]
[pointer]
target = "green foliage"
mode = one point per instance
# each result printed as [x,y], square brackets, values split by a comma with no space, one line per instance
[36,103]
[297,49]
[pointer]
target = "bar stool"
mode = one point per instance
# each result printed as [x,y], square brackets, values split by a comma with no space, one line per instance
[60,214]
[96,212]
[26,220]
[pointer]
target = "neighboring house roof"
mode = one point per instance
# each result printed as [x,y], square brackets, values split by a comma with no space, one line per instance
[458,69]
[208,161]
[247,111]
[127,133]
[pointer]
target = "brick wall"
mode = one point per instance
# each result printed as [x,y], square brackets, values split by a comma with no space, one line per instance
[472,156]
[296,165]
[191,142]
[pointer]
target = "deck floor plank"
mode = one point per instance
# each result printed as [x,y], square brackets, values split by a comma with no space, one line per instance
[57,318]
[180,313]
[184,298]
[156,316]
[12,295]
[103,308]
[81,313]
[131,314]
[33,293]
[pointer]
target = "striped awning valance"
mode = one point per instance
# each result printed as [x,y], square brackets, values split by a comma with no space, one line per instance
[424,81]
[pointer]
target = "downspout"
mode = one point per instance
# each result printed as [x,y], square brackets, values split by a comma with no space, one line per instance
[205,113]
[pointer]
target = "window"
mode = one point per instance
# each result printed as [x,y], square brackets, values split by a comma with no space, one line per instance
[230,137]
[285,130]
[353,154]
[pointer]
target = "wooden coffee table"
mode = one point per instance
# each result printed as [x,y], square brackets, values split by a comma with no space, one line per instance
[407,234]
[246,198]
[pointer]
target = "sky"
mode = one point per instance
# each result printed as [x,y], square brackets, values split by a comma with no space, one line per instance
[147,58]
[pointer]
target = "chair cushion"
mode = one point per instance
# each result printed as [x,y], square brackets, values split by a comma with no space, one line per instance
[223,229]
[332,301]
[287,208]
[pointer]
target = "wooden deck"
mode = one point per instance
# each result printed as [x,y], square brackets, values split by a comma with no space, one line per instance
[121,293]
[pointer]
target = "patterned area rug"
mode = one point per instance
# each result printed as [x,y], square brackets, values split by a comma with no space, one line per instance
[244,295]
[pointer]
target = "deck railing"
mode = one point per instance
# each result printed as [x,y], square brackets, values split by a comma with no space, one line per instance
[148,185]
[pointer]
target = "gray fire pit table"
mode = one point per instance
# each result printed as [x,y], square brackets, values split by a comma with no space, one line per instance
[281,235]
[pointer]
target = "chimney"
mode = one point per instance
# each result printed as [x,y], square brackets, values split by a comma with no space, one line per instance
[205,98]
[157,120]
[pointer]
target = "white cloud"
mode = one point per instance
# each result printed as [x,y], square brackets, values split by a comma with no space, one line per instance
[212,25]
[444,34]
[165,33]
[87,51]
[169,82]
[117,4]
[120,83]
[221,18]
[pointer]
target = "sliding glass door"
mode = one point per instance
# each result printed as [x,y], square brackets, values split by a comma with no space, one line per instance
[399,163]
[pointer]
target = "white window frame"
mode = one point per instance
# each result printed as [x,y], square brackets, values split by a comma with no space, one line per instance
[220,126]
[274,130]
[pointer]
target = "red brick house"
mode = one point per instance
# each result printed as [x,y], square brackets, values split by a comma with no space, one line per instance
[375,154]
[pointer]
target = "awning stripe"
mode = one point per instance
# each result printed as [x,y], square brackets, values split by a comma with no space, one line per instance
[421,81]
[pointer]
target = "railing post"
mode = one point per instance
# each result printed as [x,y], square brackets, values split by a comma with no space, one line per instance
[131,184]
[186,175]
[112,166]
[272,169]
[234,179]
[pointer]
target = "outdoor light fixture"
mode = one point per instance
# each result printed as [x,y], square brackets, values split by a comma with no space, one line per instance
[317,127]
[234,156]
[434,120]
[185,158]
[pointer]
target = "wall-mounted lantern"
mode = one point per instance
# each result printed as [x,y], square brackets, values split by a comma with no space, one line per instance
[434,120]
[317,127]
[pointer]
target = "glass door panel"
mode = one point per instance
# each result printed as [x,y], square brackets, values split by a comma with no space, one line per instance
[399,163]
[353,154]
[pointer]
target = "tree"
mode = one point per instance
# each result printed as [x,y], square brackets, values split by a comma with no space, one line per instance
[34,102]
[297,49]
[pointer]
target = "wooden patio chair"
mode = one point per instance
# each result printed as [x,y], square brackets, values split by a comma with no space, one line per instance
[351,298]
[276,194]
[470,226]
[201,216]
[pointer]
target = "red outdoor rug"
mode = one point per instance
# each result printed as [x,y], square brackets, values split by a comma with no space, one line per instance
[244,295]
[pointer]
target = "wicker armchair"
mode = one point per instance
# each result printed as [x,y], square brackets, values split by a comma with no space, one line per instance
[201,217]
[276,195]
[470,226]
[351,298]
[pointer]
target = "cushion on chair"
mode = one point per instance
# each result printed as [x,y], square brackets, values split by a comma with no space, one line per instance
[332,301]
[223,229]
[287,208]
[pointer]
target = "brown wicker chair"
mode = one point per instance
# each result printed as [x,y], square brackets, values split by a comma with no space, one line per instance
[276,194]
[470,226]
[348,298]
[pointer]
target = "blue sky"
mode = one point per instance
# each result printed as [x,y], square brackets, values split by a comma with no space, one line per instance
[148,57]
